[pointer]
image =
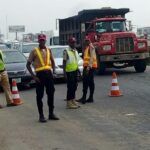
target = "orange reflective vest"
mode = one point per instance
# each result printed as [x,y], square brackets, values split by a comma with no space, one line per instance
[86,58]
[44,64]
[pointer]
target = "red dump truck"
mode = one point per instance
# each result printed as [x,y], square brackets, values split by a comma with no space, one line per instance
[116,45]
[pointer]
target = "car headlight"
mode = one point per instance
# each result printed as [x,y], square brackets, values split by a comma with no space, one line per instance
[107,47]
[141,45]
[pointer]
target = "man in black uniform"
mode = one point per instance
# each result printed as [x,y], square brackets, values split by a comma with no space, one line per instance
[89,64]
[43,63]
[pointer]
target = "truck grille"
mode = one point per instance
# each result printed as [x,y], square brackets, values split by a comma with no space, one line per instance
[125,44]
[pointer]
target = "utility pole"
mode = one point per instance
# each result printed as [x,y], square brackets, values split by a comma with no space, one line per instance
[16,36]
[6,28]
[57,22]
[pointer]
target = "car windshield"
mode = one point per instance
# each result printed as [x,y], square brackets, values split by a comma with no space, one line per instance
[110,26]
[29,48]
[58,52]
[13,57]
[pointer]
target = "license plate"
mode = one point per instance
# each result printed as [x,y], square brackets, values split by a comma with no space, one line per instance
[18,80]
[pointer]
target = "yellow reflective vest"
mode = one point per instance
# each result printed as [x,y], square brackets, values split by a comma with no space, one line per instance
[72,61]
[2,65]
[44,64]
[86,58]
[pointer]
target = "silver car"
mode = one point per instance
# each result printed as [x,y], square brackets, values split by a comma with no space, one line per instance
[57,52]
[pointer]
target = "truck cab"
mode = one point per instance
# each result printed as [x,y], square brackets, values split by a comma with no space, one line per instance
[116,46]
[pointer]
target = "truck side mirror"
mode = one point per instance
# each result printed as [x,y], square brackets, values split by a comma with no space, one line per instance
[129,25]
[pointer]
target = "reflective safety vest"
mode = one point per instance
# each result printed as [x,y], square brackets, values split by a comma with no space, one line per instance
[86,58]
[72,62]
[2,65]
[44,64]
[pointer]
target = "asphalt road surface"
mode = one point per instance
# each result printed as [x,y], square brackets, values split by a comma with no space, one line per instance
[110,123]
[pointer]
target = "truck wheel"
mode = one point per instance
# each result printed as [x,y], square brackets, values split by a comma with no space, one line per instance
[100,67]
[140,66]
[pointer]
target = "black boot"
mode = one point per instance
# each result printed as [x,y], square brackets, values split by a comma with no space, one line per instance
[42,119]
[82,100]
[90,99]
[53,117]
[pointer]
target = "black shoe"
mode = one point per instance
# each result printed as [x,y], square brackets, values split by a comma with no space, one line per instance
[42,119]
[11,105]
[53,117]
[81,100]
[90,100]
[1,106]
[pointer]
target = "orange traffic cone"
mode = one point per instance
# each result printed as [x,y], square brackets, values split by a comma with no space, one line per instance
[115,87]
[15,94]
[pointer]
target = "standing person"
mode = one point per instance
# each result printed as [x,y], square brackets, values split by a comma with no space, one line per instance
[89,64]
[70,67]
[43,64]
[4,82]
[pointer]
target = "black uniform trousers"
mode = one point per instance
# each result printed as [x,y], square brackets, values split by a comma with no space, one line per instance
[88,82]
[46,80]
[72,84]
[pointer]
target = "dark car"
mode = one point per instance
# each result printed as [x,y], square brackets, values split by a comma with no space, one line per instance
[15,63]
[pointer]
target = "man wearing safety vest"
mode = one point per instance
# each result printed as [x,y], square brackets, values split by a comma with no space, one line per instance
[4,82]
[70,66]
[89,64]
[43,63]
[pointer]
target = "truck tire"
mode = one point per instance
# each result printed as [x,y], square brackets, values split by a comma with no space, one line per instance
[100,66]
[140,66]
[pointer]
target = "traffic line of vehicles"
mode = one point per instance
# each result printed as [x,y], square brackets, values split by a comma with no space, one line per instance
[57,51]
[16,59]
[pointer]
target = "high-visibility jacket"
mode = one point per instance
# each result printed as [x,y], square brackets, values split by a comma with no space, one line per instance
[2,65]
[86,58]
[44,64]
[72,61]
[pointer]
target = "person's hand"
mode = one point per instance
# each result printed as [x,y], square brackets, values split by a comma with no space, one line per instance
[79,73]
[36,79]
[54,73]
[87,70]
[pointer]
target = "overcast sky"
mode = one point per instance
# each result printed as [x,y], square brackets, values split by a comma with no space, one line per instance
[38,15]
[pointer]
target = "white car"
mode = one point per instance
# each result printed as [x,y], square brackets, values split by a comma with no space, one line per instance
[57,52]
[26,48]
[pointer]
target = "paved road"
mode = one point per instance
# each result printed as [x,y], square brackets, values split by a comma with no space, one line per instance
[111,123]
